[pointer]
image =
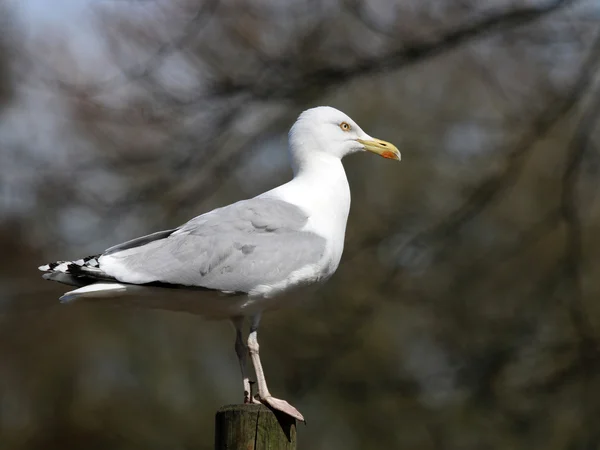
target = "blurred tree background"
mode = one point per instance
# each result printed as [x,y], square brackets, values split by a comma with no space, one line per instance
[465,312]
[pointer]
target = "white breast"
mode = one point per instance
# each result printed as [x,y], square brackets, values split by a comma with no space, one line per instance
[321,190]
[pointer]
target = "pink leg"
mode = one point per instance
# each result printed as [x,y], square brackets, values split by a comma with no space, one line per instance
[263,391]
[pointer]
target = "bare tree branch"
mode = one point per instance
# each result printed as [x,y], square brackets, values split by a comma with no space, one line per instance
[490,189]
[571,215]
[138,72]
[301,85]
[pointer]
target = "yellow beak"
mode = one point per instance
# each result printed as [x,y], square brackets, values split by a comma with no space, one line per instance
[382,148]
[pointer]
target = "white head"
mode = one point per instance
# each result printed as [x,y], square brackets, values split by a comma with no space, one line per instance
[327,131]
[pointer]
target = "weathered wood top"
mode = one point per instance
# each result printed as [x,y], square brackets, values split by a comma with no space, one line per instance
[253,427]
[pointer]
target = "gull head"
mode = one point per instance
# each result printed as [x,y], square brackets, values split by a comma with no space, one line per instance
[328,131]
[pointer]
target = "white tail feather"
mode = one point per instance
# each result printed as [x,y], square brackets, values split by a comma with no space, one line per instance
[94,290]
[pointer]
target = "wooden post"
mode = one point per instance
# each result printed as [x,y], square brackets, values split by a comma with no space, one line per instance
[253,427]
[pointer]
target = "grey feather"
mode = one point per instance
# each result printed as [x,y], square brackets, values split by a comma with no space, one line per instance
[64,278]
[138,242]
[234,248]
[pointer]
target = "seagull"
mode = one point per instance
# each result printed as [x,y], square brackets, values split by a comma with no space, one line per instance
[240,260]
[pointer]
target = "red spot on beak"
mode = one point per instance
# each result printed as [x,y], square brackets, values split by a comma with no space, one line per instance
[389,155]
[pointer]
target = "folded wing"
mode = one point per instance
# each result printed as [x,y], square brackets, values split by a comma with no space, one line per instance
[235,249]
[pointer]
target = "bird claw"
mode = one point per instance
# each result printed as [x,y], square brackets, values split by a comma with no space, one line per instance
[251,401]
[283,406]
[248,397]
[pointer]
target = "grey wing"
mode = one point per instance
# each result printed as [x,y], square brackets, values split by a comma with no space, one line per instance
[235,248]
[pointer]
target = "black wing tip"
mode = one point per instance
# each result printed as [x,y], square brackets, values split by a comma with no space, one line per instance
[50,266]
[89,261]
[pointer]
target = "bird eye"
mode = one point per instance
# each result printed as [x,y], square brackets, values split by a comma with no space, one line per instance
[345,127]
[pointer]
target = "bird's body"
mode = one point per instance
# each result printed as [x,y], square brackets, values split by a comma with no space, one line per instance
[241,259]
